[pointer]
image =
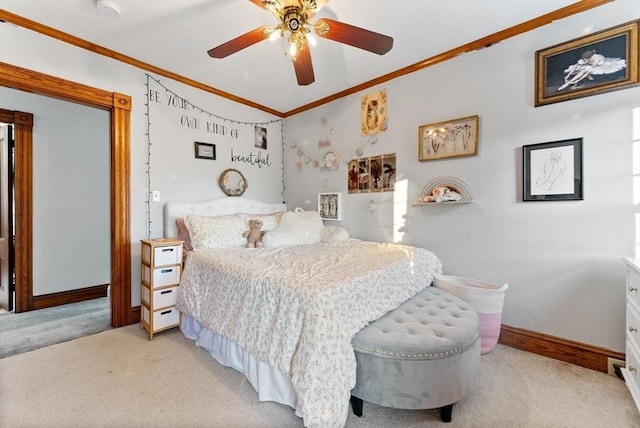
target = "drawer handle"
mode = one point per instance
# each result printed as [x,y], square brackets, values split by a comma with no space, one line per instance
[167,249]
[166,270]
[166,312]
[632,289]
[166,292]
[632,369]
[632,329]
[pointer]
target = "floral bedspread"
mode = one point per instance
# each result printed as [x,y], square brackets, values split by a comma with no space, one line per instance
[298,308]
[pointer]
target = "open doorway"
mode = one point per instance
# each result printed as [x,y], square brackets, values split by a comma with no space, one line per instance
[119,107]
[7,233]
[70,222]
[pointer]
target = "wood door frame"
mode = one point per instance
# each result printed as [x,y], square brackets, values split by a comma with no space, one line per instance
[119,106]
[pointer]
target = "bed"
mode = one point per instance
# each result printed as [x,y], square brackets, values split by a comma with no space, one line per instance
[285,314]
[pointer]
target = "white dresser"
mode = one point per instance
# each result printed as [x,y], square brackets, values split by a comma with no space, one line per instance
[631,372]
[161,268]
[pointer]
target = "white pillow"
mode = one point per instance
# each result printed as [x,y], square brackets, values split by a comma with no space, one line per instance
[215,232]
[295,228]
[269,221]
[334,234]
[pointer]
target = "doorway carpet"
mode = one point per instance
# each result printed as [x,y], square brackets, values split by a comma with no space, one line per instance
[31,330]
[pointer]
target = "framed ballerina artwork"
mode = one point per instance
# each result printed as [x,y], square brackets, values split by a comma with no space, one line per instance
[600,62]
[552,171]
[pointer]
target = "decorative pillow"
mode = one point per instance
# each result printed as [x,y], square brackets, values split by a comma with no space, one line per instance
[215,232]
[295,228]
[269,221]
[334,234]
[183,234]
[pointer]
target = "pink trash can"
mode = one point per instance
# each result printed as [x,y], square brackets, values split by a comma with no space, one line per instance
[486,298]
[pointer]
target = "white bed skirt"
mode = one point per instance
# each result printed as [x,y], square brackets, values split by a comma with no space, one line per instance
[270,383]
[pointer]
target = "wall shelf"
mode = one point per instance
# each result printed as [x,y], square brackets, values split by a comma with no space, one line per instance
[424,204]
[452,183]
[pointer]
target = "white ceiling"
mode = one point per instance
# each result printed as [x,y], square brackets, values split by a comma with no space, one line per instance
[176,34]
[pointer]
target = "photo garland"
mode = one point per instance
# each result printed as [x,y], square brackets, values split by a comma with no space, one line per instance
[372,174]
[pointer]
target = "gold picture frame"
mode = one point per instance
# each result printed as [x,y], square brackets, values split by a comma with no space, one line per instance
[448,139]
[600,62]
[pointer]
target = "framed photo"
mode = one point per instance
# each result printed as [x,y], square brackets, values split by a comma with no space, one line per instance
[448,139]
[330,206]
[260,137]
[552,171]
[373,116]
[600,62]
[205,151]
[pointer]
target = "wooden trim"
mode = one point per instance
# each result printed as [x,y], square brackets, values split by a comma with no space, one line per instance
[136,314]
[120,107]
[572,9]
[76,41]
[579,354]
[120,211]
[70,296]
[482,43]
[23,204]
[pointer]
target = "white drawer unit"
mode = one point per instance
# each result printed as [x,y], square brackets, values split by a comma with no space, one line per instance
[161,269]
[631,372]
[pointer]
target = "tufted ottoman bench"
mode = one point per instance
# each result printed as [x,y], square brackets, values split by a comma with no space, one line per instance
[425,354]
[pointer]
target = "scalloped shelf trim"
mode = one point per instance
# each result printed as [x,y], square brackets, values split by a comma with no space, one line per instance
[452,183]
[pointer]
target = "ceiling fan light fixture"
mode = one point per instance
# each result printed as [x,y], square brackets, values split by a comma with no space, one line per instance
[274,33]
[293,49]
[311,39]
[108,8]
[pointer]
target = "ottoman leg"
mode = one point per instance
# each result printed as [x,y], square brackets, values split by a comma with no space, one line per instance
[445,413]
[356,403]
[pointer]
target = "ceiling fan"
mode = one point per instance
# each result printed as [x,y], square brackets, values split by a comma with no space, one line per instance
[295,27]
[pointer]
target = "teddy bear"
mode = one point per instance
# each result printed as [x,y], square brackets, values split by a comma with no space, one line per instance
[254,234]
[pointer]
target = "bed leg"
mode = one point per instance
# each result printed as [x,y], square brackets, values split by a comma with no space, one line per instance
[445,413]
[356,404]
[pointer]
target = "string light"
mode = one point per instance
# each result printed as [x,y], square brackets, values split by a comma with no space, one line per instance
[305,158]
[202,111]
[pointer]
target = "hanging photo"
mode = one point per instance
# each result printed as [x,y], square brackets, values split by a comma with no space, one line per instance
[372,174]
[261,137]
[374,113]
[330,206]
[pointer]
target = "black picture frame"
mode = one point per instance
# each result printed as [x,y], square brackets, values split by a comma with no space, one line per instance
[597,63]
[552,171]
[205,150]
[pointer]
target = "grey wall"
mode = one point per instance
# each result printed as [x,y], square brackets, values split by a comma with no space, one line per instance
[561,259]
[71,225]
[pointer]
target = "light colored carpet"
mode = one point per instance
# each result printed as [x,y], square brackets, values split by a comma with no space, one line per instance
[118,378]
[31,330]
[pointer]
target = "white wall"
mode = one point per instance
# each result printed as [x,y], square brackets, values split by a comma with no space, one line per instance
[561,259]
[71,248]
[173,169]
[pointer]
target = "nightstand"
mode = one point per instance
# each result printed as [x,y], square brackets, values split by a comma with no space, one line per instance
[161,269]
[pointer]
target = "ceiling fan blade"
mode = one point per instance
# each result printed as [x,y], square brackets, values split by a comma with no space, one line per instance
[257,3]
[353,36]
[239,43]
[303,67]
